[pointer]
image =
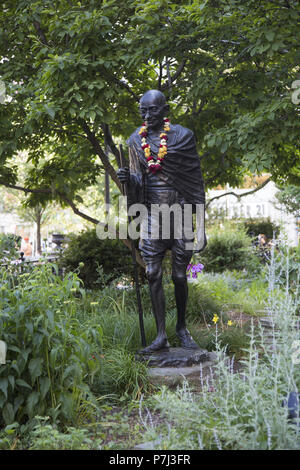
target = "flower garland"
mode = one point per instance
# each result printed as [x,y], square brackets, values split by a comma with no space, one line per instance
[153,165]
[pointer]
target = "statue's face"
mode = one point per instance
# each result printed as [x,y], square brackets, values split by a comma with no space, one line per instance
[152,111]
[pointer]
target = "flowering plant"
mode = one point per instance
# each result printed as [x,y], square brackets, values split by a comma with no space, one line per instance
[194,269]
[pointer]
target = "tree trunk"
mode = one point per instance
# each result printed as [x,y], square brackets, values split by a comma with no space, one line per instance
[38,231]
[107,195]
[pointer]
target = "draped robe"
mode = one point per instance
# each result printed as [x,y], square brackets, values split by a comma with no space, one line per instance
[180,167]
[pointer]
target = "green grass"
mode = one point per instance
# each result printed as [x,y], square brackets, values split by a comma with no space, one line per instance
[230,291]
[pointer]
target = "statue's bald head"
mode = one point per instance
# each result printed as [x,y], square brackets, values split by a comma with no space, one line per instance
[153,108]
[155,96]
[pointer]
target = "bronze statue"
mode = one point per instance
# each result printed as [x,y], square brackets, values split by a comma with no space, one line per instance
[164,169]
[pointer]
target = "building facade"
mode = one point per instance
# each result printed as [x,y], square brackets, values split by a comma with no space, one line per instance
[262,203]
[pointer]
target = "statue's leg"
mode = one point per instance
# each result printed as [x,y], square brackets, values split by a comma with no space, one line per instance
[181,293]
[153,249]
[154,276]
[180,262]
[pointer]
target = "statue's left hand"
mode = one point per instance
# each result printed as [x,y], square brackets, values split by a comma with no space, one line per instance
[123,175]
[202,247]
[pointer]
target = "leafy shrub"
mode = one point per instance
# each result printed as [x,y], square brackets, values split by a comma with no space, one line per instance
[46,437]
[9,245]
[96,261]
[254,227]
[229,249]
[48,368]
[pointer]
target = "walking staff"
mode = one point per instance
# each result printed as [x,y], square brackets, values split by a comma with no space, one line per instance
[135,268]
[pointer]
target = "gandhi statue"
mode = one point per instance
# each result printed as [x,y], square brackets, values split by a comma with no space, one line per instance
[164,168]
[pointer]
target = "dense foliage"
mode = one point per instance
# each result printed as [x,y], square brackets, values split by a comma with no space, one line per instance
[74,72]
[254,227]
[97,261]
[48,371]
[229,249]
[9,246]
[289,199]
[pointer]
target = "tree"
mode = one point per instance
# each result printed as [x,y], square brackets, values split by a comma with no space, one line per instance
[75,72]
[39,215]
[289,198]
[14,201]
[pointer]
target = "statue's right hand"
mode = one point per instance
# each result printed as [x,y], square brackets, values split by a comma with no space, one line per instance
[123,174]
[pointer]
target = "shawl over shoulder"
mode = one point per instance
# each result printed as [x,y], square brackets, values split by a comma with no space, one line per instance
[180,168]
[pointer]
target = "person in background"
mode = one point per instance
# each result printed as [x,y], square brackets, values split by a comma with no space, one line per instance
[26,247]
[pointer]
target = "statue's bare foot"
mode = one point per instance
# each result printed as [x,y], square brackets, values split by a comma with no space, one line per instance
[186,339]
[161,342]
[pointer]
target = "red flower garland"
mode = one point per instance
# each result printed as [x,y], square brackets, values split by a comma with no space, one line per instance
[153,165]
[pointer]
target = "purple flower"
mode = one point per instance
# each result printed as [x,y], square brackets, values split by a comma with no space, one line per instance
[194,269]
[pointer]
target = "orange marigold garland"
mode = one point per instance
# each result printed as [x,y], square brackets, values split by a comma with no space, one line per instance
[153,165]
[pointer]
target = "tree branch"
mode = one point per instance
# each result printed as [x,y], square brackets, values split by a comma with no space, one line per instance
[238,196]
[99,151]
[172,78]
[78,212]
[110,143]
[49,191]
[160,75]
[40,33]
[75,210]
[125,85]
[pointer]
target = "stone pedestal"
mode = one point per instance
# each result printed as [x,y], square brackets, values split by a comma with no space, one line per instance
[174,365]
[174,357]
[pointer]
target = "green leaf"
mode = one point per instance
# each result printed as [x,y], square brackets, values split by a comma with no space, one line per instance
[92,115]
[44,386]
[276,45]
[50,111]
[4,385]
[2,400]
[11,380]
[18,401]
[12,426]
[8,413]
[32,400]
[224,147]
[270,35]
[35,368]
[50,317]
[22,383]
[67,404]
[10,347]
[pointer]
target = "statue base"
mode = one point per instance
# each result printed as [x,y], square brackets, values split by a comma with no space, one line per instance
[174,357]
[174,365]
